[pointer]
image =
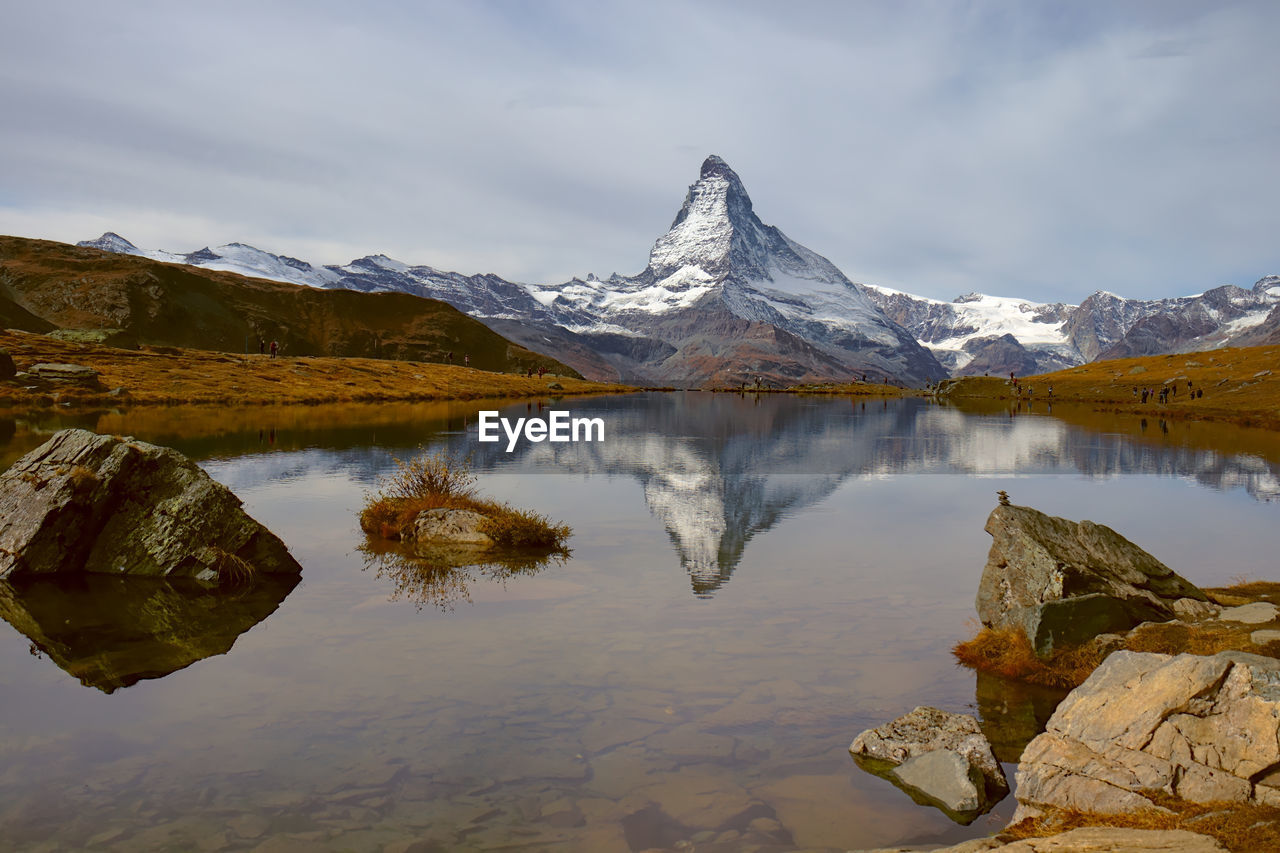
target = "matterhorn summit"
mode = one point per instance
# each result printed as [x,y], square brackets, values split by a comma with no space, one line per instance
[728,300]
[715,230]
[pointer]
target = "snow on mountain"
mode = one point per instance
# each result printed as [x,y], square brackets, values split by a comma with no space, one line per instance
[955,331]
[978,333]
[112,242]
[233,257]
[246,260]
[726,299]
[1216,318]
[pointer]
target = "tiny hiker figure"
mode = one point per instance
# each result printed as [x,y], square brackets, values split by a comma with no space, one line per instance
[275,348]
[466,359]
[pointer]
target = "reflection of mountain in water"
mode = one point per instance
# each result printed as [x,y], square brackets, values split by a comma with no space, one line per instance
[717,469]
[112,632]
[715,472]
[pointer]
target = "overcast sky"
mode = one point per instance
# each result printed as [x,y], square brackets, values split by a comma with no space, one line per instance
[1036,149]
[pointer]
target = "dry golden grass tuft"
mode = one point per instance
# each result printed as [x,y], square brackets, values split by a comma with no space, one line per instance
[1239,827]
[437,480]
[233,570]
[1008,653]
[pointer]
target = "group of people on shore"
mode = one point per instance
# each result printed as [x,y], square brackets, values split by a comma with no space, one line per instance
[1166,392]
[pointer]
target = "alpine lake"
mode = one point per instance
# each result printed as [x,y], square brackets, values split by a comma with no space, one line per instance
[752,581]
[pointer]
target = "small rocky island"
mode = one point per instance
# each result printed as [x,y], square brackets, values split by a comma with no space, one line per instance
[430,501]
[433,536]
[1157,748]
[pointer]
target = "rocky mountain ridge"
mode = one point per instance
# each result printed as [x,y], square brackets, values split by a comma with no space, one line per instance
[977,333]
[726,300]
[48,286]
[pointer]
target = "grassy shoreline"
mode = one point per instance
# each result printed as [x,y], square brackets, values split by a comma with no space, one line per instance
[1241,386]
[170,376]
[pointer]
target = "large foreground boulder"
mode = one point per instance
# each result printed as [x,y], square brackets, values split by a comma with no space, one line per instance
[83,502]
[1206,729]
[942,757]
[1063,582]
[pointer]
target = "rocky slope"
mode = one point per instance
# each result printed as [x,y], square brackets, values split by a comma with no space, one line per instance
[978,334]
[725,299]
[46,285]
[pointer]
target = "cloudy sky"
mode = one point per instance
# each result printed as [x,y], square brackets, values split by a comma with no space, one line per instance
[1037,149]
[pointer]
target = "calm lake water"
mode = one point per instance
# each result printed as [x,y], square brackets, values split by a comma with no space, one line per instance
[752,582]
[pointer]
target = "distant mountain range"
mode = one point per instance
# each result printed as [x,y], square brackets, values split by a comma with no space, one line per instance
[977,333]
[135,300]
[726,299]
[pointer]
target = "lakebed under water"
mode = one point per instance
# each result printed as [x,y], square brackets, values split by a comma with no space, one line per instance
[753,581]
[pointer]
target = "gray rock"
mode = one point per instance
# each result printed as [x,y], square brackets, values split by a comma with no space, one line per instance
[1193,610]
[1206,729]
[82,502]
[946,777]
[75,373]
[1261,638]
[456,526]
[1061,582]
[924,732]
[1255,613]
[555,386]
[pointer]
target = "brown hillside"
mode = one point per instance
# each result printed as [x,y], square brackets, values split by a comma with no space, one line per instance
[1241,385]
[166,375]
[46,285]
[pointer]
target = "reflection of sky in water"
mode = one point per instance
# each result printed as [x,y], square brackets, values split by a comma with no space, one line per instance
[717,473]
[855,542]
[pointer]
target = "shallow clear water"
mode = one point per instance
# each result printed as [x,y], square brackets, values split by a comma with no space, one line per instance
[752,582]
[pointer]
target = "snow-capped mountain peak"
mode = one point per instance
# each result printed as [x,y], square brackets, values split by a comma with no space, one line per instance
[715,216]
[112,242]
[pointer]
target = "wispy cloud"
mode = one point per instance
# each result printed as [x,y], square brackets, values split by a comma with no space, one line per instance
[1038,149]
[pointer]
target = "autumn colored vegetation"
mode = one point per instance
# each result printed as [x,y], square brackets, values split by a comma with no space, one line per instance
[1240,385]
[1008,652]
[1240,827]
[169,375]
[437,480]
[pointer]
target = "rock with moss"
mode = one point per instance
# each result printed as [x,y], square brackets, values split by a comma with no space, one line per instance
[83,502]
[118,338]
[1063,582]
[1202,728]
